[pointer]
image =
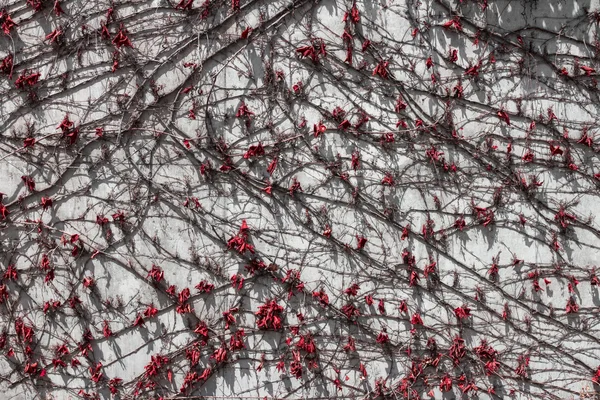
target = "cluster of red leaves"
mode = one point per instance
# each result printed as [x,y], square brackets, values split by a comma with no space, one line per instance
[240,242]
[269,316]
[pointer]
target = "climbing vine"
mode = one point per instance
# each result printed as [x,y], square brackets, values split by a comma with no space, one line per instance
[299,199]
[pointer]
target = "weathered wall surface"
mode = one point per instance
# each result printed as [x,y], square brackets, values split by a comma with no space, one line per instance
[299,199]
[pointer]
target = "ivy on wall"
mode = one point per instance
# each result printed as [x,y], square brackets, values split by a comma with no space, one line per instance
[299,199]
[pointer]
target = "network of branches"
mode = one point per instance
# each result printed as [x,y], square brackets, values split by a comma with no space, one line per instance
[294,199]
